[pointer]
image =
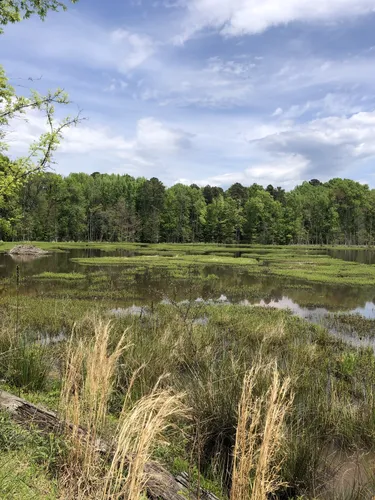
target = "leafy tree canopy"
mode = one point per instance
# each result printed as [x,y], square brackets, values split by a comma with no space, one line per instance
[13,11]
[12,106]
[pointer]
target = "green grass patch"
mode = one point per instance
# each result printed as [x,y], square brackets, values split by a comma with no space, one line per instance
[25,458]
[160,261]
[303,267]
[207,362]
[60,276]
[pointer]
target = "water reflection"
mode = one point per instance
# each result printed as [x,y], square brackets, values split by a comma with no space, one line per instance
[362,256]
[311,301]
[322,316]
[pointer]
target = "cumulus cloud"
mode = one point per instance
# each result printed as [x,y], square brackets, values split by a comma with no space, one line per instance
[239,17]
[321,148]
[282,170]
[151,142]
[152,135]
[284,156]
[133,48]
[328,145]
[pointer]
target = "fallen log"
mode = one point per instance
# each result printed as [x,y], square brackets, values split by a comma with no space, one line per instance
[160,484]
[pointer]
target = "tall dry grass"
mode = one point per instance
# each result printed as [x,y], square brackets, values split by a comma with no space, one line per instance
[87,388]
[138,432]
[113,469]
[257,462]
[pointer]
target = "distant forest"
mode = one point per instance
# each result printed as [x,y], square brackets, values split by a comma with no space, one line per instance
[102,207]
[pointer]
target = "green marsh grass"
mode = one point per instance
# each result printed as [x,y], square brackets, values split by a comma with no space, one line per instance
[207,361]
[352,324]
[285,262]
[60,276]
[25,461]
[333,384]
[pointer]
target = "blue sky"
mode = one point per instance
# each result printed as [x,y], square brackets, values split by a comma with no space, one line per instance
[207,91]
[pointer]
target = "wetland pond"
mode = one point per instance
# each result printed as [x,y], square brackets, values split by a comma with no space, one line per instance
[348,311]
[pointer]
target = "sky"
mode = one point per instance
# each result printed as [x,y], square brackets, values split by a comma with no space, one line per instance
[206,91]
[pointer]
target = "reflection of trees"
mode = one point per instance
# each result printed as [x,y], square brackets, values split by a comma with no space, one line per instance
[333,297]
[351,255]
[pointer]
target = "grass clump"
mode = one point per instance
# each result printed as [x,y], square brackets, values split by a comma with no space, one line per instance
[28,366]
[257,464]
[60,276]
[88,387]
[24,464]
[23,363]
[22,479]
[305,264]
[352,324]
[160,261]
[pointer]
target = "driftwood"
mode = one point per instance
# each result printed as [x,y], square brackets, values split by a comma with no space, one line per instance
[160,484]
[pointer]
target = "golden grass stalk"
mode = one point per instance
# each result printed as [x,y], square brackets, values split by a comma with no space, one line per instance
[259,436]
[87,387]
[249,417]
[138,432]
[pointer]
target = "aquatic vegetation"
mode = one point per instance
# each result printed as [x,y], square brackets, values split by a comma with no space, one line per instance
[201,329]
[298,263]
[60,276]
[207,361]
[164,261]
[353,324]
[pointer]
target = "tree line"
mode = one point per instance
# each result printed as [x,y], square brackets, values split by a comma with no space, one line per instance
[103,207]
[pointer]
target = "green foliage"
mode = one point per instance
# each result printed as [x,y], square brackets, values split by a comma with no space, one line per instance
[28,366]
[60,276]
[13,174]
[114,208]
[23,363]
[25,457]
[13,11]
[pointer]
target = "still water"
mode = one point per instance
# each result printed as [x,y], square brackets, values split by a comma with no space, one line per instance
[314,302]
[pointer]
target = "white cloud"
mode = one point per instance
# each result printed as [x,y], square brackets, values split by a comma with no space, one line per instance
[321,148]
[279,85]
[259,152]
[75,40]
[152,143]
[328,145]
[330,105]
[278,112]
[153,135]
[134,49]
[116,85]
[216,83]
[239,17]
[284,170]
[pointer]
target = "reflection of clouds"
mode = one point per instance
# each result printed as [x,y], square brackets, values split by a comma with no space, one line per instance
[368,311]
